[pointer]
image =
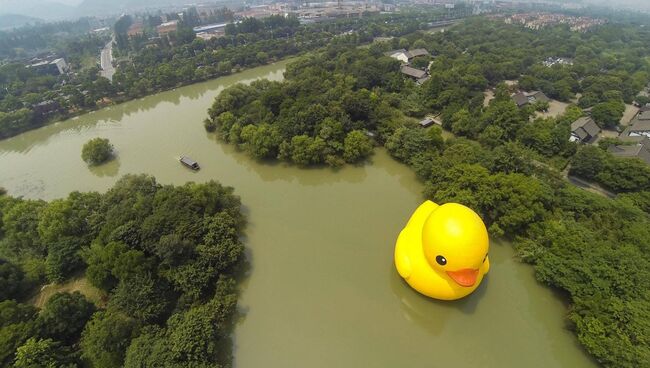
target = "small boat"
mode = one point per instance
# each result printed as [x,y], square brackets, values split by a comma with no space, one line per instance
[189,163]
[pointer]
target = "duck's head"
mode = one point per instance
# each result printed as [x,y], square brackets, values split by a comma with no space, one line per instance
[455,243]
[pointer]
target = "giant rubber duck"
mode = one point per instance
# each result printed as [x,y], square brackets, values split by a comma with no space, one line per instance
[443,251]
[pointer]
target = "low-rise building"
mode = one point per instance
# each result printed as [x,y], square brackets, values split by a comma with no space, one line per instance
[522,99]
[167,28]
[640,150]
[53,67]
[639,125]
[46,107]
[429,121]
[61,66]
[414,73]
[216,27]
[406,56]
[135,29]
[426,123]
[400,55]
[584,130]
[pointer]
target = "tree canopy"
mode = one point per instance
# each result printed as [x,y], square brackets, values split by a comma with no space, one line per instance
[97,151]
[164,258]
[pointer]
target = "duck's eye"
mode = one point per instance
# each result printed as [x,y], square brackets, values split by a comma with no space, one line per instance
[441,260]
[484,258]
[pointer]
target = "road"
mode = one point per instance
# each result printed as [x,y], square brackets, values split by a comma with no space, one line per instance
[106,61]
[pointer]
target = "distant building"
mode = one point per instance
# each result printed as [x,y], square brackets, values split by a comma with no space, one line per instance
[209,35]
[210,28]
[417,52]
[584,130]
[51,67]
[382,39]
[406,56]
[135,29]
[167,28]
[522,99]
[400,55]
[420,81]
[414,73]
[46,107]
[519,99]
[640,150]
[426,123]
[550,61]
[61,65]
[429,121]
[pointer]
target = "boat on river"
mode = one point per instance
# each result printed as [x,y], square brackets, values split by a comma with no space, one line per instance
[189,163]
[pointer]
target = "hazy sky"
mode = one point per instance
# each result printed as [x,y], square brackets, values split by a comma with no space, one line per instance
[67,2]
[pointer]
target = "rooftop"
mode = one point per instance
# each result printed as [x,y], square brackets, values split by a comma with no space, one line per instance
[585,128]
[520,98]
[643,115]
[640,150]
[412,72]
[639,125]
[393,52]
[416,53]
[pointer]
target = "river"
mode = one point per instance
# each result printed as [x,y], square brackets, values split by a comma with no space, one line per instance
[322,290]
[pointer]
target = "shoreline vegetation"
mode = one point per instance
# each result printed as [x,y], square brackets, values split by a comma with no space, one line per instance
[97,151]
[160,260]
[179,59]
[504,162]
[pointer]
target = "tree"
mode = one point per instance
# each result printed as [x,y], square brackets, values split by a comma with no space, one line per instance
[142,297]
[20,223]
[608,114]
[356,146]
[588,162]
[105,339]
[63,259]
[65,315]
[261,141]
[97,151]
[12,312]
[642,100]
[198,334]
[262,57]
[464,124]
[17,325]
[39,353]
[149,350]
[406,143]
[108,264]
[11,280]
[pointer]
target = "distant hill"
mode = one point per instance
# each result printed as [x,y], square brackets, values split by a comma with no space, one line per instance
[9,21]
[92,7]
[66,9]
[43,9]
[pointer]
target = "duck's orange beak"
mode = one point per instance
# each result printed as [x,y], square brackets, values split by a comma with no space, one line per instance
[465,277]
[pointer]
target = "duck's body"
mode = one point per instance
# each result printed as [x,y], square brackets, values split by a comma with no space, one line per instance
[442,251]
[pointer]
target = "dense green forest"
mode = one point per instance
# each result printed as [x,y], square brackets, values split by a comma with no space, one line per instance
[504,161]
[149,64]
[164,258]
[48,37]
[361,87]
[22,89]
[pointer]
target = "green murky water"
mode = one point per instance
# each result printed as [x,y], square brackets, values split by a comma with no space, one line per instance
[322,291]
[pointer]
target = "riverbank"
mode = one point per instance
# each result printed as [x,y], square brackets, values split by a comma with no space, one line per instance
[117,100]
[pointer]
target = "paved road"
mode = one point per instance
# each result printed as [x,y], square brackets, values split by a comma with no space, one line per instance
[106,61]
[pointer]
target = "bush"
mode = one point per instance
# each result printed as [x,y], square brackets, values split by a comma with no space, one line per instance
[97,151]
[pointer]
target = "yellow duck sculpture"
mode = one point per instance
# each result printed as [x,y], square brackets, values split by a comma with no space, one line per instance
[443,251]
